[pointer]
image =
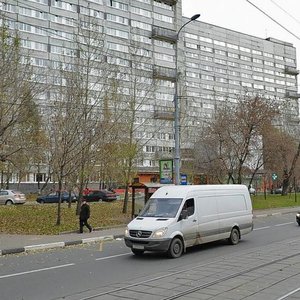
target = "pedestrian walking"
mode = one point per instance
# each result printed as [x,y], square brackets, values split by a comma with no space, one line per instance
[84,216]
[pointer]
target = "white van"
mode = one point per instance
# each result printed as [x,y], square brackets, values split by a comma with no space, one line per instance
[177,217]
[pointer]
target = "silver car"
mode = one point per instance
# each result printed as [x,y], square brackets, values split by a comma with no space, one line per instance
[9,197]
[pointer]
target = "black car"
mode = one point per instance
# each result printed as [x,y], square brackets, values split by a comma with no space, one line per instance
[54,197]
[98,195]
[298,218]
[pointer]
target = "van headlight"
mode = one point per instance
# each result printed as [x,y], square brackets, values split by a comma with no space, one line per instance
[159,233]
[127,232]
[298,215]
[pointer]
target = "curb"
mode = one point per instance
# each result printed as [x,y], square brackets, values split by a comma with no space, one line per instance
[59,244]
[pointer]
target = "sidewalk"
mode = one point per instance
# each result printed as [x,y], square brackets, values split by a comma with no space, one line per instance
[15,243]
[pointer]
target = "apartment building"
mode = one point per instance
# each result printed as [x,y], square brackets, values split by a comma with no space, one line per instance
[215,64]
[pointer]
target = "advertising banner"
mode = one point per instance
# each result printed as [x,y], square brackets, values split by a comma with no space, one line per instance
[166,171]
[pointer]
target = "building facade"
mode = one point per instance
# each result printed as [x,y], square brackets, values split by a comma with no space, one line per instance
[215,64]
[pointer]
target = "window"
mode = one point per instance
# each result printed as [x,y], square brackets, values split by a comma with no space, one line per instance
[163,18]
[189,207]
[247,58]
[246,84]
[162,44]
[142,39]
[117,33]
[191,55]
[219,43]
[245,49]
[257,52]
[258,61]
[289,60]
[160,4]
[141,12]
[231,46]
[118,5]
[271,72]
[268,55]
[190,45]
[206,49]
[64,5]
[278,57]
[140,25]
[204,39]
[117,19]
[220,52]
[256,77]
[234,55]
[117,47]
[191,36]
[258,86]
[269,63]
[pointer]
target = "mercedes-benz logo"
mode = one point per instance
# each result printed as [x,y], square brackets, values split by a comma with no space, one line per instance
[139,233]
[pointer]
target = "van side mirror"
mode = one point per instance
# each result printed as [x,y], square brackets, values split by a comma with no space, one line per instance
[184,214]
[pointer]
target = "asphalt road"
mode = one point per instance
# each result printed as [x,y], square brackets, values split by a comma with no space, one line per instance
[83,271]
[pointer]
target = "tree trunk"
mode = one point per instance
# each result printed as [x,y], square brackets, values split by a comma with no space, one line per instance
[58,221]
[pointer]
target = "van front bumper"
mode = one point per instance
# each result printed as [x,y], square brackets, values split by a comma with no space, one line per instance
[159,245]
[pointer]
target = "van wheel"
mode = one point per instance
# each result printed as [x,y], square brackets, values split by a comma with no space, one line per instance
[176,248]
[234,236]
[137,252]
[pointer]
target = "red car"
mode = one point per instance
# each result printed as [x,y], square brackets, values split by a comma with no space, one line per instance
[98,195]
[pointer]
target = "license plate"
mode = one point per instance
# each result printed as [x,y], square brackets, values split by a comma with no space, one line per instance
[136,246]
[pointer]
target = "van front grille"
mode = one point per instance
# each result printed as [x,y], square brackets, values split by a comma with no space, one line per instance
[140,233]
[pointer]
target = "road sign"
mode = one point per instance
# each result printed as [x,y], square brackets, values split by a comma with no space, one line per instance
[274,176]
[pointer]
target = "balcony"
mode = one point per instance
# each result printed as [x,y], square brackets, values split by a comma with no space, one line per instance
[291,71]
[164,73]
[164,115]
[164,34]
[169,2]
[293,95]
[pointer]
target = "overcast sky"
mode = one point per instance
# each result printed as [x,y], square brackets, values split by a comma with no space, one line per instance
[241,16]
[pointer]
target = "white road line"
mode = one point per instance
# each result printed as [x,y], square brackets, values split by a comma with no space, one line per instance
[266,227]
[289,294]
[113,256]
[285,224]
[35,271]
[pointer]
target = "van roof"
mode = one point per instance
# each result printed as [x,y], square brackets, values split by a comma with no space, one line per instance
[180,191]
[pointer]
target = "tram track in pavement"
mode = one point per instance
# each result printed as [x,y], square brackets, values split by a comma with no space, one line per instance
[135,289]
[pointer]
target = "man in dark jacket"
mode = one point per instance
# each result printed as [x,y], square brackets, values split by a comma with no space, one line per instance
[83,217]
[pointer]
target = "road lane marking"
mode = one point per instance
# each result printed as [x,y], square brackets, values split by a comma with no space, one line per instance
[260,228]
[267,227]
[113,256]
[284,224]
[35,271]
[289,294]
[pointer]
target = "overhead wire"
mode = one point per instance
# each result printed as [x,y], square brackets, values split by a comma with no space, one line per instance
[285,11]
[282,26]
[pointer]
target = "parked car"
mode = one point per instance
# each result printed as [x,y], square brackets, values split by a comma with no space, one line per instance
[98,195]
[298,218]
[54,197]
[9,197]
[252,191]
[278,191]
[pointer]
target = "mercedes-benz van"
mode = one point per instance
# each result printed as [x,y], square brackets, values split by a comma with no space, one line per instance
[177,217]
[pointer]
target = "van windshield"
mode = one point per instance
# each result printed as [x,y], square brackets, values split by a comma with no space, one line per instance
[161,207]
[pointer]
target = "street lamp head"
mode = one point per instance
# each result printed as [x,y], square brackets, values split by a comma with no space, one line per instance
[195,17]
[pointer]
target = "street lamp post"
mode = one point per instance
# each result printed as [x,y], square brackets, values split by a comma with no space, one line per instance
[176,104]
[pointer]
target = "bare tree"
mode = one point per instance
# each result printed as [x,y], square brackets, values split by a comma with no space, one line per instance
[19,117]
[233,141]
